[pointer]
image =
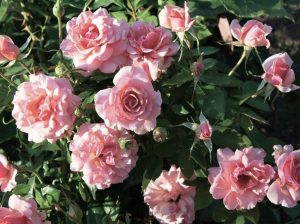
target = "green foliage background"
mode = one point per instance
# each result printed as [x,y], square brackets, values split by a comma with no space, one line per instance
[238,120]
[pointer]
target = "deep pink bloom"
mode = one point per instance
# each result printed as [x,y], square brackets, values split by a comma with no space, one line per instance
[285,190]
[252,34]
[131,104]
[242,180]
[96,151]
[169,199]
[7,175]
[176,18]
[22,211]
[204,131]
[278,72]
[95,41]
[151,45]
[8,50]
[44,108]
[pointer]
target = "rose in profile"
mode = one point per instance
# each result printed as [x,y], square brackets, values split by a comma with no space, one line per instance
[131,104]
[44,108]
[252,34]
[278,72]
[8,50]
[285,190]
[242,179]
[204,131]
[176,18]
[169,199]
[7,175]
[22,211]
[105,156]
[151,46]
[95,41]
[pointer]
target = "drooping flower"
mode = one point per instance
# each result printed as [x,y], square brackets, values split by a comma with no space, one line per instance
[252,34]
[242,180]
[131,104]
[100,153]
[44,108]
[95,41]
[169,199]
[285,190]
[278,72]
[22,211]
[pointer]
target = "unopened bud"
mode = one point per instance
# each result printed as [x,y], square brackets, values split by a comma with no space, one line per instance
[160,134]
[59,69]
[58,9]
[125,143]
[197,68]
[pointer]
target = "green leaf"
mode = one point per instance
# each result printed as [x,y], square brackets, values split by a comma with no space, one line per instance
[214,104]
[240,219]
[179,110]
[8,131]
[51,193]
[221,214]
[231,139]
[119,15]
[218,79]
[186,163]
[94,215]
[257,8]
[203,199]
[3,8]
[104,3]
[253,215]
[179,79]
[250,113]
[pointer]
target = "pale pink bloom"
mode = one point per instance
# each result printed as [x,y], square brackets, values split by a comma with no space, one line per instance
[131,104]
[204,131]
[95,41]
[8,50]
[242,180]
[7,175]
[169,199]
[252,34]
[285,190]
[44,108]
[176,18]
[97,153]
[22,211]
[197,68]
[278,72]
[151,45]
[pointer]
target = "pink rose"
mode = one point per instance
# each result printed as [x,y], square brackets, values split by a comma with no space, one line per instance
[242,180]
[204,131]
[22,211]
[197,68]
[285,190]
[278,72]
[8,50]
[96,41]
[151,45]
[175,18]
[7,175]
[169,199]
[44,108]
[252,34]
[97,152]
[131,104]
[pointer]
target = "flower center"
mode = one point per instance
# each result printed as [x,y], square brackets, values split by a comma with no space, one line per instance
[243,180]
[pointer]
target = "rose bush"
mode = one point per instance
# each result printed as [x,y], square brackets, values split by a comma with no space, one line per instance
[149,112]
